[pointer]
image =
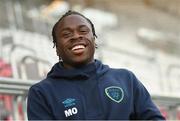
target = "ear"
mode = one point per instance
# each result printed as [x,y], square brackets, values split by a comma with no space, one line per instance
[96,46]
[57,52]
[94,37]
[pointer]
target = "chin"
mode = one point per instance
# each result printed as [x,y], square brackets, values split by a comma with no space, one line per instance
[81,62]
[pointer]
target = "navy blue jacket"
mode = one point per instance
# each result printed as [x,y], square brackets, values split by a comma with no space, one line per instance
[94,91]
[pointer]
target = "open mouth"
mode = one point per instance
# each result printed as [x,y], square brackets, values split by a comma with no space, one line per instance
[78,49]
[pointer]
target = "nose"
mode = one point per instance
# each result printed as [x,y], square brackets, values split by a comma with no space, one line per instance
[77,35]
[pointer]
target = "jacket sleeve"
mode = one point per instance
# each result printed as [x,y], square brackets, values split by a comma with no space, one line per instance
[37,107]
[144,108]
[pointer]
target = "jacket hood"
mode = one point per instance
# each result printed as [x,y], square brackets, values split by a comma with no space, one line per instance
[58,71]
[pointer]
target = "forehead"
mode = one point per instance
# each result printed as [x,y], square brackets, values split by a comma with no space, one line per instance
[73,21]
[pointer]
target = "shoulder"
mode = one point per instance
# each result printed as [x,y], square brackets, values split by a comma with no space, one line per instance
[130,78]
[122,72]
[41,85]
[125,76]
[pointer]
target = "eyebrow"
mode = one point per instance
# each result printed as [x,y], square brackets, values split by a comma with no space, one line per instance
[69,29]
[83,26]
[66,29]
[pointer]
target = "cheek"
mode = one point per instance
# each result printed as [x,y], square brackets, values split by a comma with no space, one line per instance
[92,45]
[61,45]
[92,40]
[60,49]
[90,37]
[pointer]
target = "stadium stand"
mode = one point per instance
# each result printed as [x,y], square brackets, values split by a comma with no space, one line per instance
[138,30]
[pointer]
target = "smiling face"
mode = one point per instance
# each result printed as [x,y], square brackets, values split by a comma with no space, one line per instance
[75,41]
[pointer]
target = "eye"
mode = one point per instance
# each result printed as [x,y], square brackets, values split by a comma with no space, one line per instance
[66,34]
[84,30]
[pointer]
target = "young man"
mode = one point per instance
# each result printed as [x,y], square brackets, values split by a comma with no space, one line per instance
[80,87]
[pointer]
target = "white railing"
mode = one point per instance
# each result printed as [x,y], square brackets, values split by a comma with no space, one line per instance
[18,89]
[15,86]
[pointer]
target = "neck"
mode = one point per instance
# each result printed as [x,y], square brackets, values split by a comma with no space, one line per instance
[76,65]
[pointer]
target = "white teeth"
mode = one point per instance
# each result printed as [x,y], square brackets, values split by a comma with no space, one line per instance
[78,47]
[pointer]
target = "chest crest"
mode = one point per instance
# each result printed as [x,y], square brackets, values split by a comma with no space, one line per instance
[115,93]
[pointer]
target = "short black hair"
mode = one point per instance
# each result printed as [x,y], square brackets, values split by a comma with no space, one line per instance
[70,12]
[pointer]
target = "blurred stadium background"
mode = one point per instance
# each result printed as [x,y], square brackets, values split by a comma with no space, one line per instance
[141,35]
